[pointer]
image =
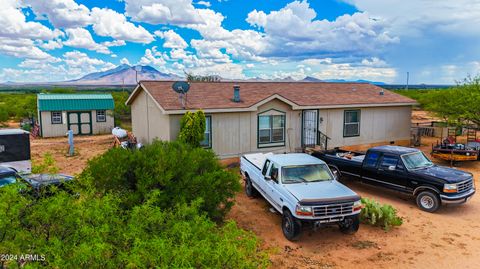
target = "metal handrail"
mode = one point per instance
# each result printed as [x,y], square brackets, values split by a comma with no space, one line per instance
[322,137]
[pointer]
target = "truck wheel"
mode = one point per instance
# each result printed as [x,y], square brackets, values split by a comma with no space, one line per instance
[350,224]
[428,201]
[291,227]
[250,191]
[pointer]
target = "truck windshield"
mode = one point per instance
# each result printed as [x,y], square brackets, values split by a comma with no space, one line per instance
[305,173]
[416,160]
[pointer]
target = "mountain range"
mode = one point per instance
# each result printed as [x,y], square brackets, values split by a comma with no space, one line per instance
[124,75]
[129,75]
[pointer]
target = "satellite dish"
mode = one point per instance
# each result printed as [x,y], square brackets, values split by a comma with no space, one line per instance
[181,87]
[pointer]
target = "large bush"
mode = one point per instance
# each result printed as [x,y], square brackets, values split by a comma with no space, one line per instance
[88,231]
[156,207]
[182,173]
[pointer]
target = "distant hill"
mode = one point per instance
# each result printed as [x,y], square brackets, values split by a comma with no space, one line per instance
[126,75]
[358,81]
[123,74]
[311,79]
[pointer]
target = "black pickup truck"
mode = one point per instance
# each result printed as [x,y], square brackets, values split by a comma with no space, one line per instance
[406,170]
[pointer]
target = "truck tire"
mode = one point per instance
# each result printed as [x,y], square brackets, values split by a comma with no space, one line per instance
[291,227]
[428,201]
[350,224]
[250,191]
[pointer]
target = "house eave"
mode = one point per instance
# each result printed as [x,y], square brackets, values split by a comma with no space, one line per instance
[294,107]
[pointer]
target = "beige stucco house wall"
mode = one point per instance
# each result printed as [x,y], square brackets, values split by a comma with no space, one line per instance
[235,133]
[378,125]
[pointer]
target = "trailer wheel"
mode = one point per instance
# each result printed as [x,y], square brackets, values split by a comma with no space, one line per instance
[428,201]
[250,191]
[291,227]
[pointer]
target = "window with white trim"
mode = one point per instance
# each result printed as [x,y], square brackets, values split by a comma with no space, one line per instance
[207,140]
[101,116]
[56,117]
[271,129]
[351,123]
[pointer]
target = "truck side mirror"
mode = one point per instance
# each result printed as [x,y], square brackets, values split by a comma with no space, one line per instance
[274,174]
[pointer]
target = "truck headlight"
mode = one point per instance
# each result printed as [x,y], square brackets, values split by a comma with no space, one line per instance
[357,205]
[450,188]
[303,210]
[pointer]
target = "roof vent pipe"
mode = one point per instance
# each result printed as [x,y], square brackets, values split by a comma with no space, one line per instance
[236,93]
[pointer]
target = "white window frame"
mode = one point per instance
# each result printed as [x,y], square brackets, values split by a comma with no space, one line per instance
[345,123]
[56,118]
[98,114]
[271,114]
[208,132]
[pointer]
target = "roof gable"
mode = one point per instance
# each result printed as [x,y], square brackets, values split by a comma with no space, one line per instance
[217,96]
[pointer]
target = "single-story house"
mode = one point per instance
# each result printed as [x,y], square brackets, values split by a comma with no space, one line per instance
[245,117]
[84,114]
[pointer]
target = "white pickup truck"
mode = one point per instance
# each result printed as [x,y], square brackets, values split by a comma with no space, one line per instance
[303,189]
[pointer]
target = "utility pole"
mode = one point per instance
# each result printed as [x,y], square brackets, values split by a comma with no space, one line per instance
[138,68]
[408,76]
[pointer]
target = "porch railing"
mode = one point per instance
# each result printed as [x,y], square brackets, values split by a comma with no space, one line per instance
[322,140]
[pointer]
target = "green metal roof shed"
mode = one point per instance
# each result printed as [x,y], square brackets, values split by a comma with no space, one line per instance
[74,102]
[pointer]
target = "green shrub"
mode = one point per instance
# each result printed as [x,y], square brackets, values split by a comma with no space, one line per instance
[192,128]
[182,173]
[132,209]
[376,214]
[47,165]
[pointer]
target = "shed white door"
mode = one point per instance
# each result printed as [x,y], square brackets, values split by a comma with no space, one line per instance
[80,122]
[310,126]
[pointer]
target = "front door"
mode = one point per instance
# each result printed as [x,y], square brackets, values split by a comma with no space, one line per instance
[80,122]
[310,126]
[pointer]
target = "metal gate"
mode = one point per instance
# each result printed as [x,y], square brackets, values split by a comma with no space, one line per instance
[309,130]
[80,122]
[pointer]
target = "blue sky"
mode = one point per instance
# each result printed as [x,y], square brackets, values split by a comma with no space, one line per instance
[56,40]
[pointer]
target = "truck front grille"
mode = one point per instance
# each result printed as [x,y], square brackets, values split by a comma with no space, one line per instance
[333,210]
[465,185]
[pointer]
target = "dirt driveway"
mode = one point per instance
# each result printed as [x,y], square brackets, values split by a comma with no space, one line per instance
[86,148]
[448,239]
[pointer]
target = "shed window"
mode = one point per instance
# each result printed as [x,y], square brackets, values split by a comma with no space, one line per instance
[101,116]
[351,123]
[56,117]
[207,140]
[271,129]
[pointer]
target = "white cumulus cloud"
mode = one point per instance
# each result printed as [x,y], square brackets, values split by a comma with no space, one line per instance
[111,23]
[13,23]
[81,38]
[172,39]
[61,13]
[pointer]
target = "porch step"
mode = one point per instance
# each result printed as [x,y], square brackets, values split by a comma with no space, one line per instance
[310,150]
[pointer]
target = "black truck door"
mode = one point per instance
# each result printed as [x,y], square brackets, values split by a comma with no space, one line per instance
[392,173]
[370,163]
